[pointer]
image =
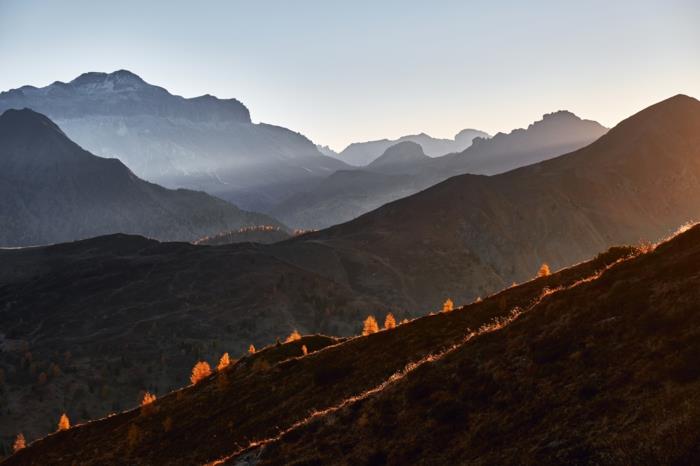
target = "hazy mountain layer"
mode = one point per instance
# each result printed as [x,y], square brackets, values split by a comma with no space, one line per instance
[203,143]
[51,190]
[364,153]
[343,196]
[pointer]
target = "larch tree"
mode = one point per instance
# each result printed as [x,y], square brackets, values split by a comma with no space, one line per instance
[64,422]
[148,398]
[544,270]
[370,326]
[200,371]
[448,305]
[251,349]
[294,336]
[223,362]
[390,321]
[20,443]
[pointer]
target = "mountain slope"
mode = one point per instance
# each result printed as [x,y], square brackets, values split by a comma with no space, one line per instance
[253,400]
[555,134]
[363,153]
[602,372]
[202,143]
[466,237]
[638,182]
[319,206]
[51,190]
[594,357]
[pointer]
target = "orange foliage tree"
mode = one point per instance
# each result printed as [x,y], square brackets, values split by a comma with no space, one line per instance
[200,371]
[19,442]
[544,270]
[223,362]
[448,305]
[370,326]
[389,322]
[148,398]
[251,349]
[304,350]
[294,336]
[64,422]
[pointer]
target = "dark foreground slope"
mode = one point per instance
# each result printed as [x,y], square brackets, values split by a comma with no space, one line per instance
[106,318]
[597,365]
[255,400]
[602,372]
[51,190]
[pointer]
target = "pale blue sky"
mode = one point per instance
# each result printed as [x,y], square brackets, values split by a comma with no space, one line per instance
[349,71]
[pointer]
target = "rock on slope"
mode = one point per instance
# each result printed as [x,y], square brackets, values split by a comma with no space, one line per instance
[596,366]
[51,190]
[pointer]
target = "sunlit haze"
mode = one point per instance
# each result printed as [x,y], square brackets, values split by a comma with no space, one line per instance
[340,72]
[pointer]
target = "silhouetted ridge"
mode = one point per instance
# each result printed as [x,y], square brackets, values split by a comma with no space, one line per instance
[26,123]
[52,190]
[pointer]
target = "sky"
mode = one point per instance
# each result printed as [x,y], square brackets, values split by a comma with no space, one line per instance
[342,72]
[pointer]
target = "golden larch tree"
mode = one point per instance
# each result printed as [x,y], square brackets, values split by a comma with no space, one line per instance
[64,422]
[200,371]
[304,350]
[251,349]
[148,398]
[370,326]
[223,362]
[19,443]
[294,336]
[448,305]
[544,270]
[389,322]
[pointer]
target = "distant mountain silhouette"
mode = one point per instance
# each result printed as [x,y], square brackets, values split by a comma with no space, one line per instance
[363,153]
[402,155]
[344,196]
[202,143]
[637,182]
[52,191]
[555,134]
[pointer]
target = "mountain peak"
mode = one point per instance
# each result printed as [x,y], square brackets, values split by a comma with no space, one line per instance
[400,153]
[25,122]
[560,115]
[119,79]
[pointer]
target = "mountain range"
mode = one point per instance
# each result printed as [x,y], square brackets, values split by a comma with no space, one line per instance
[363,153]
[202,143]
[52,190]
[127,299]
[404,169]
